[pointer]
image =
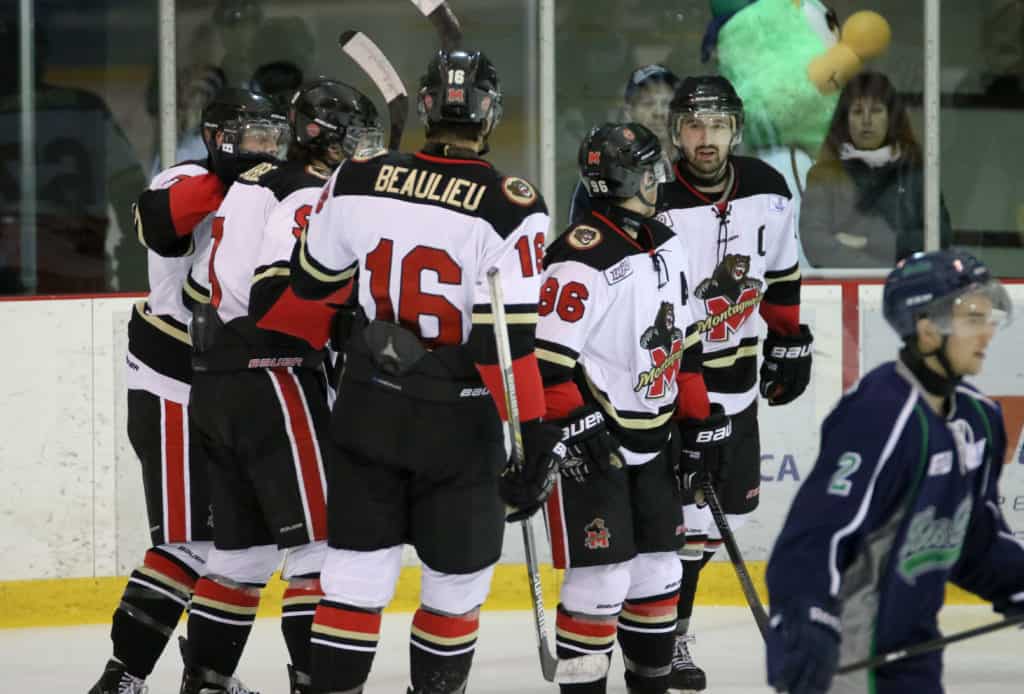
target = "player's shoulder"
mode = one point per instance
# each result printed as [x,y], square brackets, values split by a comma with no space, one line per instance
[282,179]
[589,242]
[881,402]
[758,178]
[179,171]
[509,200]
[968,394]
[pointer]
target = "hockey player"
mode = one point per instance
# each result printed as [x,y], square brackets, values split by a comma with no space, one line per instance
[620,358]
[904,497]
[259,394]
[173,218]
[417,442]
[645,100]
[735,218]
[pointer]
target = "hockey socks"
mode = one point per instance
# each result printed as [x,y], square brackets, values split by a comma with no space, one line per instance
[342,645]
[579,635]
[152,603]
[694,556]
[297,610]
[221,617]
[647,636]
[441,651]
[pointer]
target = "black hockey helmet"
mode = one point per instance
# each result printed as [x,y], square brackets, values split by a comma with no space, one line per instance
[706,94]
[242,117]
[647,75]
[460,88]
[326,112]
[614,158]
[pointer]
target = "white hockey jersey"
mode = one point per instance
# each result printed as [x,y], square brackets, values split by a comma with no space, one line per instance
[159,349]
[615,316]
[419,232]
[743,269]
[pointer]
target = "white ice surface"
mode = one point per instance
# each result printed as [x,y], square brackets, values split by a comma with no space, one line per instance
[69,659]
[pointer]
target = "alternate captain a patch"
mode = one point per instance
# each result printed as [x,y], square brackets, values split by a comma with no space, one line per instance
[583,237]
[519,191]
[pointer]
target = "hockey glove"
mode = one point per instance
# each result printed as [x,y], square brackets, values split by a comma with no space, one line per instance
[803,650]
[786,369]
[589,444]
[525,487]
[702,442]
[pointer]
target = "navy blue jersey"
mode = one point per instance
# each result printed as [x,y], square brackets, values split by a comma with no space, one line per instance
[900,501]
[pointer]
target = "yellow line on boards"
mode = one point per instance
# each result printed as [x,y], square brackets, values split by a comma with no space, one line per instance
[71,601]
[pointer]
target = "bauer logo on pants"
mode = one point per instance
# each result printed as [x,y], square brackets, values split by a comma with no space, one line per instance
[597,535]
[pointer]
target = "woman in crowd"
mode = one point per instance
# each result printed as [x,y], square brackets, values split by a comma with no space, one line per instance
[864,204]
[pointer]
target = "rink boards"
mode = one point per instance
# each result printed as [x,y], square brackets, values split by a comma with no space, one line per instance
[73,513]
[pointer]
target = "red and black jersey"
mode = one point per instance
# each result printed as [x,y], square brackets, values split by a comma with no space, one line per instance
[419,232]
[173,219]
[743,269]
[616,328]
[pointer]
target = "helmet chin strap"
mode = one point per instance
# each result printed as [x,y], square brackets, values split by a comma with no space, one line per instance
[940,385]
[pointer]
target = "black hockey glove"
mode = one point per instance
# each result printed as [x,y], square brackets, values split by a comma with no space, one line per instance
[786,369]
[589,444]
[702,442]
[526,487]
[803,649]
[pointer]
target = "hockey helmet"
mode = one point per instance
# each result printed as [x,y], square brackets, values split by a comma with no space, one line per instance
[614,158]
[707,95]
[326,112]
[929,285]
[251,131]
[460,88]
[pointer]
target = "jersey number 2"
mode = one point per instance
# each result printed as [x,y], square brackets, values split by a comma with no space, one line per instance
[848,463]
[413,302]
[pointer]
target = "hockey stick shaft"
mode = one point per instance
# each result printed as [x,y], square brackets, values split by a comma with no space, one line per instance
[746,583]
[929,646]
[444,20]
[369,57]
[587,668]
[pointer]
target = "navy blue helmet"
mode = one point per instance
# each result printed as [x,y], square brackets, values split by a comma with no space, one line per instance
[928,285]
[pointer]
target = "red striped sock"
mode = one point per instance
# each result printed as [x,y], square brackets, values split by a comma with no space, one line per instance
[441,650]
[297,610]
[342,645]
[647,629]
[219,623]
[580,635]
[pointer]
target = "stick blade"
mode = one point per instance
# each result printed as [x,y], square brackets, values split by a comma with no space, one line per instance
[368,56]
[586,668]
[444,20]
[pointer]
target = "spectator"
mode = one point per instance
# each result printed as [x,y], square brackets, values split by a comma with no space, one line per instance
[645,101]
[864,203]
[84,166]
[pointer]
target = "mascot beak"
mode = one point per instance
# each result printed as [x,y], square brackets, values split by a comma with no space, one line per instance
[864,35]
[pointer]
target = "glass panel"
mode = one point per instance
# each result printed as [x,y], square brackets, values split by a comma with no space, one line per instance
[91,131]
[275,45]
[982,109]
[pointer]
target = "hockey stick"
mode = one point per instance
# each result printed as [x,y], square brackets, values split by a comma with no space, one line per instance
[749,592]
[361,48]
[587,668]
[443,19]
[928,646]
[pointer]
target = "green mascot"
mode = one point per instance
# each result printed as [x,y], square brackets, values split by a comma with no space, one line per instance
[788,60]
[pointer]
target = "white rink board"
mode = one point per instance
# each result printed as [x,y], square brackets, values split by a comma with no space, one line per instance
[74,504]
